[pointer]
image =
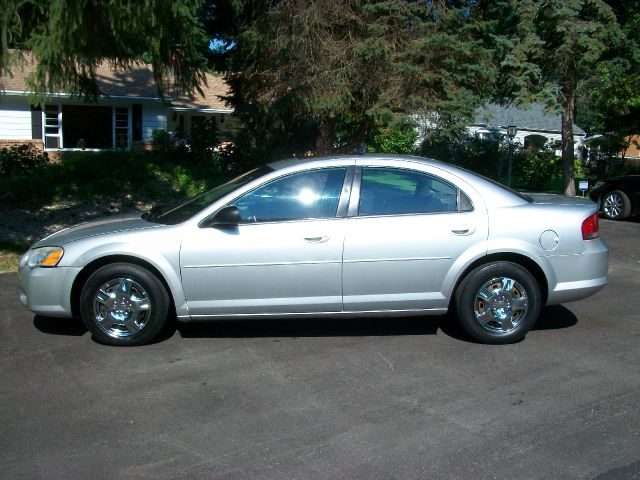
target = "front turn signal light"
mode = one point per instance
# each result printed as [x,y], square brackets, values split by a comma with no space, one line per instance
[45,257]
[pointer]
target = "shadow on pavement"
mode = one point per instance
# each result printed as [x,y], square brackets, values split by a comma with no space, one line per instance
[555,318]
[60,326]
[311,327]
[551,318]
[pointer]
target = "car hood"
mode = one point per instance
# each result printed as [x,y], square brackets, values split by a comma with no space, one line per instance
[555,199]
[118,223]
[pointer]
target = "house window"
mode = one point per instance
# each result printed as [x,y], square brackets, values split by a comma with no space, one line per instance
[86,126]
[122,127]
[136,123]
[197,121]
[52,133]
[535,142]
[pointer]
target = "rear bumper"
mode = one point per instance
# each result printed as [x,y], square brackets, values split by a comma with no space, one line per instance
[572,291]
[579,276]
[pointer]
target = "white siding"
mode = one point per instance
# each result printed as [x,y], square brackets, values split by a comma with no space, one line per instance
[154,117]
[520,137]
[15,118]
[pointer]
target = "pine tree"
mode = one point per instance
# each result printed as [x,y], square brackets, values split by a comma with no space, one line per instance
[610,100]
[320,65]
[561,43]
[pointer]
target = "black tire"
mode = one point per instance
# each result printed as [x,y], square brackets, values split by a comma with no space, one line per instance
[498,303]
[616,205]
[124,305]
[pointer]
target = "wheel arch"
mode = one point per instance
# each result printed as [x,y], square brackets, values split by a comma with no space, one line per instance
[522,260]
[93,266]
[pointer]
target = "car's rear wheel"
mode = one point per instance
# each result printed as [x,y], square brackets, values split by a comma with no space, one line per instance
[616,205]
[498,303]
[124,304]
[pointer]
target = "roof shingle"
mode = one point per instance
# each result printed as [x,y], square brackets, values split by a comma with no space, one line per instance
[534,118]
[137,82]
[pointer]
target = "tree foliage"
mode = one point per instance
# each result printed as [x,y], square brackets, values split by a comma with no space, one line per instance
[560,43]
[314,66]
[70,38]
[609,102]
[327,75]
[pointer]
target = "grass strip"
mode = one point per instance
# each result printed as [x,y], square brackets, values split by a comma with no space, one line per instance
[10,254]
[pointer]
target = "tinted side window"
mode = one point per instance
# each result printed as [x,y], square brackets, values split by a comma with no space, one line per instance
[388,191]
[313,194]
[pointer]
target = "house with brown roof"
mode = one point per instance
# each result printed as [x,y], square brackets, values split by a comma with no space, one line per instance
[126,114]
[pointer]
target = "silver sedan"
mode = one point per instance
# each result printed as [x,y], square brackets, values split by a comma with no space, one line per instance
[371,235]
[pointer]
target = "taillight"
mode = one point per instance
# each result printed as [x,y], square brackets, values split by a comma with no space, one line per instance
[590,228]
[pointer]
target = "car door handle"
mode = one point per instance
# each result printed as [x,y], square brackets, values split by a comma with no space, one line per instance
[463,230]
[321,239]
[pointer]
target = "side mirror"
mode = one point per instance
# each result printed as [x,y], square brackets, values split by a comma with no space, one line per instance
[229,216]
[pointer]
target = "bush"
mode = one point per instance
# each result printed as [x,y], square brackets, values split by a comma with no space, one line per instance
[534,169]
[203,141]
[199,146]
[399,137]
[21,159]
[121,177]
[161,141]
[604,160]
[468,151]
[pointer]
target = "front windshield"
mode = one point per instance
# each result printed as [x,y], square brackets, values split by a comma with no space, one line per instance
[174,214]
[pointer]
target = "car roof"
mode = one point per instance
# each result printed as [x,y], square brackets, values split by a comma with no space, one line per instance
[290,162]
[485,185]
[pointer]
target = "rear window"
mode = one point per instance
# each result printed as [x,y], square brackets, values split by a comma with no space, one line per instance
[392,191]
[521,195]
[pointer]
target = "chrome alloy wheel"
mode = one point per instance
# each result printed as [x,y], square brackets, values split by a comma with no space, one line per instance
[501,304]
[613,205]
[121,307]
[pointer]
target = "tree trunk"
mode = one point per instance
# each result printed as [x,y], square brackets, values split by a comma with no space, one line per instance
[568,176]
[325,136]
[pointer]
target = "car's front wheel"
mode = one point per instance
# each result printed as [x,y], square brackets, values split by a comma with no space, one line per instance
[498,303]
[124,304]
[616,205]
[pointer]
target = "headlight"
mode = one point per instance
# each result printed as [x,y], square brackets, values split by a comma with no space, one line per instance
[599,184]
[44,257]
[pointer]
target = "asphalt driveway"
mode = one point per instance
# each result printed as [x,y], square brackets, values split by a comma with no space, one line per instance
[311,399]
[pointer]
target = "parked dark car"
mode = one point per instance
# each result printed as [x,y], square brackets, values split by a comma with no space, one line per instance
[617,197]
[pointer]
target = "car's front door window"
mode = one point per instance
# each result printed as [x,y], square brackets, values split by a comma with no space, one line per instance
[306,195]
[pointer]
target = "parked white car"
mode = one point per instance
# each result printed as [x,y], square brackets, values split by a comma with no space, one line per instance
[373,235]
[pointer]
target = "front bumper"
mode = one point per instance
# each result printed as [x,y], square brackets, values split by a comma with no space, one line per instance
[47,291]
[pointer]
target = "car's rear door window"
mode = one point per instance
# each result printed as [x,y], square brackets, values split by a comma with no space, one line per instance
[393,191]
